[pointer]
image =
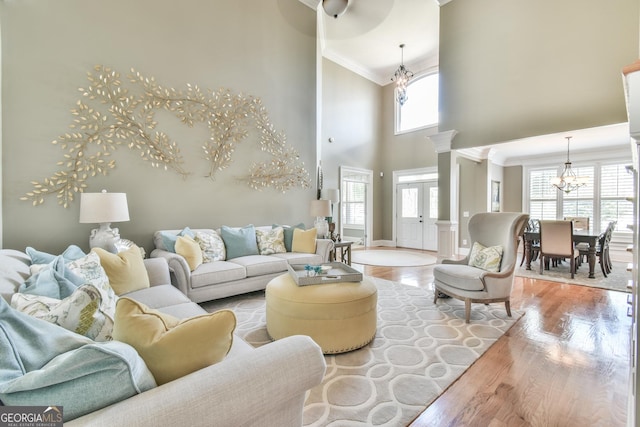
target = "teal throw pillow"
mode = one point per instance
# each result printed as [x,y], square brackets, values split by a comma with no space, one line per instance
[288,234]
[169,239]
[72,253]
[239,241]
[41,363]
[53,281]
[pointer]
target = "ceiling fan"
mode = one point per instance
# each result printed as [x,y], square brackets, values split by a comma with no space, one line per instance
[335,8]
[354,17]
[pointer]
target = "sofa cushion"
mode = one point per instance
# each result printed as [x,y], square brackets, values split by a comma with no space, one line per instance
[288,234]
[212,273]
[159,296]
[296,258]
[125,270]
[82,312]
[41,363]
[72,253]
[460,276]
[259,265]
[54,280]
[168,238]
[304,241]
[239,241]
[190,250]
[14,270]
[486,258]
[91,270]
[211,245]
[171,347]
[271,241]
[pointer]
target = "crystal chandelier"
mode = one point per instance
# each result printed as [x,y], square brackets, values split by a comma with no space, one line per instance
[401,77]
[568,180]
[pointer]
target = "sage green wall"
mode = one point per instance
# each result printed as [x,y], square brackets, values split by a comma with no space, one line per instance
[359,116]
[351,116]
[512,189]
[516,68]
[398,152]
[473,194]
[263,48]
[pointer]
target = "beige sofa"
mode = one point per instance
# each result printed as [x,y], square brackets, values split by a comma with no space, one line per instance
[265,386]
[220,279]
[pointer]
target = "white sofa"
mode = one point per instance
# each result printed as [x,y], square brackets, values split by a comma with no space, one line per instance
[220,279]
[265,386]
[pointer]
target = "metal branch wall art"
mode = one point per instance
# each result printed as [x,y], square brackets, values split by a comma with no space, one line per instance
[110,115]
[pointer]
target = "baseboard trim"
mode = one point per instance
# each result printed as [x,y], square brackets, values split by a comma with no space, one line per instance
[385,243]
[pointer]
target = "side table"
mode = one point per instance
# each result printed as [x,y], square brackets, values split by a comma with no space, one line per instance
[344,252]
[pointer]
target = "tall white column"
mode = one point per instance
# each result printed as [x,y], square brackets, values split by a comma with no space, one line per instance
[447,193]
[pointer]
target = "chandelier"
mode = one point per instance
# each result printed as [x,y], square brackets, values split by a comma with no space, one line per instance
[568,180]
[401,77]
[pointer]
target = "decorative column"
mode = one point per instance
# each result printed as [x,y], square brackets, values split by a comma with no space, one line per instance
[447,194]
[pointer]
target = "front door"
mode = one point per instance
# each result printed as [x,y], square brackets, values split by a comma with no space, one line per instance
[417,212]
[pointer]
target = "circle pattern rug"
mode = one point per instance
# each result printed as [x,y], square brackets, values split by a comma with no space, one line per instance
[419,350]
[386,258]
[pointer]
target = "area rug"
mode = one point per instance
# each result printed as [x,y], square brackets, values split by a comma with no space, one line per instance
[392,258]
[419,350]
[615,281]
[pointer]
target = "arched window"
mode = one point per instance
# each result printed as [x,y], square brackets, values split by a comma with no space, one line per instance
[421,108]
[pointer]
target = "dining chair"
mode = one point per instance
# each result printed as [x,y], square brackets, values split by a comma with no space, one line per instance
[579,222]
[486,274]
[602,249]
[531,226]
[556,241]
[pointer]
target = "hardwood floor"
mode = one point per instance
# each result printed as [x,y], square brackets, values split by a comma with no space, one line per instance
[565,363]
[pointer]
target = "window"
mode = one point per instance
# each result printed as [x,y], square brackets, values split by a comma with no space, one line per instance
[616,184]
[542,196]
[580,202]
[421,109]
[353,202]
[603,199]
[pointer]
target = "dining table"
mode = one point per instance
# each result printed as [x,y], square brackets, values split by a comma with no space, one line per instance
[579,236]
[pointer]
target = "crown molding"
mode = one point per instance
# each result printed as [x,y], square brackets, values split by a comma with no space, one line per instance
[313,4]
[442,140]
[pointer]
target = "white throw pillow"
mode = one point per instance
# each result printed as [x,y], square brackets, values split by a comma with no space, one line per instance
[486,258]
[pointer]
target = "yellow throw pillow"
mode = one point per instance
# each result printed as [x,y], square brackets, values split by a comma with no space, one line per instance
[190,250]
[125,270]
[170,347]
[304,241]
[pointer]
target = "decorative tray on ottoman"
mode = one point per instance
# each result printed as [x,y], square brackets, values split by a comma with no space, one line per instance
[332,272]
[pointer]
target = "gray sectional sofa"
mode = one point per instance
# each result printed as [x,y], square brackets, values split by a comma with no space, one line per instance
[265,386]
[224,278]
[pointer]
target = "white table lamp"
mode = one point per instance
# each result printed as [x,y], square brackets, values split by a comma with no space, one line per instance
[104,208]
[331,194]
[321,209]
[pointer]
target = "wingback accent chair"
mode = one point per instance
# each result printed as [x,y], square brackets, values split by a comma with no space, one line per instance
[458,279]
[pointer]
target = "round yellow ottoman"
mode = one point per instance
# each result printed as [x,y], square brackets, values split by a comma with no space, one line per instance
[339,317]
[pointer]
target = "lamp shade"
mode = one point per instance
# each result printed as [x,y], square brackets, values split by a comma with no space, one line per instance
[332,194]
[320,208]
[103,207]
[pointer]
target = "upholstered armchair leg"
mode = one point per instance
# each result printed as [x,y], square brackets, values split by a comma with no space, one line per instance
[467,309]
[507,306]
[435,295]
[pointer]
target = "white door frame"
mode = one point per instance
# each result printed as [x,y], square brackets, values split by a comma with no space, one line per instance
[396,179]
[368,214]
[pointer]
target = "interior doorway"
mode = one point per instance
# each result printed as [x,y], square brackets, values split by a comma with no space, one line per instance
[356,205]
[416,209]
